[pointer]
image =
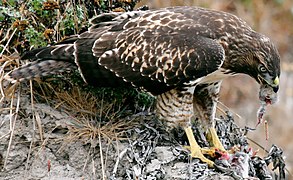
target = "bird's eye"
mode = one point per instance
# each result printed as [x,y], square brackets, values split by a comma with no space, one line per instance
[262,69]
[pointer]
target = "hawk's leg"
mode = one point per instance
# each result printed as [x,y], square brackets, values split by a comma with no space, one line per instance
[204,106]
[175,107]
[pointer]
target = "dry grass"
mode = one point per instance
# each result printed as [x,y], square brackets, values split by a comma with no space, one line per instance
[95,120]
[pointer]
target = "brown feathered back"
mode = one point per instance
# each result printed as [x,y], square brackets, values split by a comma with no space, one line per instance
[156,50]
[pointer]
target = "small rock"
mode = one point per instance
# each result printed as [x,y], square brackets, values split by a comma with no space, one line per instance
[154,165]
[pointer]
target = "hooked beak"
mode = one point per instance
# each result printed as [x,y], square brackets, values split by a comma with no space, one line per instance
[275,89]
[274,84]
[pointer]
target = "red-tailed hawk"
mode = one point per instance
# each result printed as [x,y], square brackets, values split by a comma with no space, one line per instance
[179,54]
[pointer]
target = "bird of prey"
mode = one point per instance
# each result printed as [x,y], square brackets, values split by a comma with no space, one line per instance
[179,54]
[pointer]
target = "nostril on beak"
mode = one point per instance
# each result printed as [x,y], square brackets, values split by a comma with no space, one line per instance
[275,89]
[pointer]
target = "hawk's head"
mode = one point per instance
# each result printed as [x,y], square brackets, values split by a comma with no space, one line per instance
[257,56]
[267,72]
[267,67]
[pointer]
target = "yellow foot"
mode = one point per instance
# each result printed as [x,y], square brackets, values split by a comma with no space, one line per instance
[213,152]
[218,150]
[213,137]
[195,148]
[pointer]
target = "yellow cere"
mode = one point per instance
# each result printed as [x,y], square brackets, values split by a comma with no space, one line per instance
[276,81]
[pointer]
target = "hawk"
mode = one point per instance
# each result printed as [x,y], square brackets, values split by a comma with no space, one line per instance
[179,54]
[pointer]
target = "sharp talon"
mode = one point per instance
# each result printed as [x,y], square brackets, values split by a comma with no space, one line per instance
[209,152]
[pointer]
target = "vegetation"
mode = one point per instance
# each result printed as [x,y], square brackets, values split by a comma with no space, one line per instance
[38,23]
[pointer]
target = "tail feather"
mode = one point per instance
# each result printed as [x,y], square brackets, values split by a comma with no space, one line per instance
[38,69]
[61,52]
[45,61]
[31,54]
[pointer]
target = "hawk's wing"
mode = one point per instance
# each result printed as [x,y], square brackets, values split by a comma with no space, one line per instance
[152,50]
[158,55]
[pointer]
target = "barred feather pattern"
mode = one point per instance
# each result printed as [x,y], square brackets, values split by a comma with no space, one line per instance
[39,69]
[175,107]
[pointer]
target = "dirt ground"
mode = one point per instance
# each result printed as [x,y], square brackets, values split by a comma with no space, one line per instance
[48,143]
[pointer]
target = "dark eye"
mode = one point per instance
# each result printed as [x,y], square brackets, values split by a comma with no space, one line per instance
[262,69]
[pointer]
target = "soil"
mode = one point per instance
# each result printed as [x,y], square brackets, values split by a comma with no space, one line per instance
[147,150]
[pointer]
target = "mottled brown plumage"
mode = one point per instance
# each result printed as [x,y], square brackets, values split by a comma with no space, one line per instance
[179,54]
